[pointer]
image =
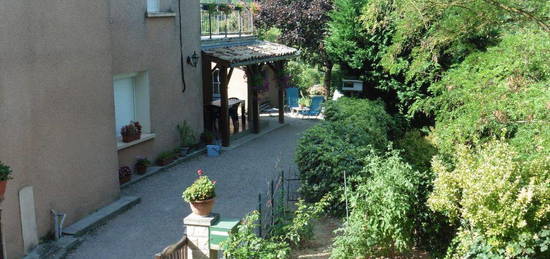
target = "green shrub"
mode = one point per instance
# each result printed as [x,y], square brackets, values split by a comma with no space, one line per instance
[244,243]
[322,157]
[433,232]
[303,75]
[494,191]
[417,150]
[187,137]
[382,219]
[300,228]
[354,128]
[503,90]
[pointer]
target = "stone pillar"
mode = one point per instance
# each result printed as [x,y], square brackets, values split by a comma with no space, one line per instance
[198,234]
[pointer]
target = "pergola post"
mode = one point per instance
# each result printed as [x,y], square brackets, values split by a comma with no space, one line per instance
[251,72]
[207,91]
[224,111]
[278,67]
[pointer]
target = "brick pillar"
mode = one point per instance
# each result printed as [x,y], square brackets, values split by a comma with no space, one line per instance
[198,234]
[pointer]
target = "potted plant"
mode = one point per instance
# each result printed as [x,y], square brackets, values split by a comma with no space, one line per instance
[239,6]
[200,195]
[304,101]
[225,8]
[187,138]
[131,132]
[141,165]
[124,174]
[5,175]
[165,158]
[210,7]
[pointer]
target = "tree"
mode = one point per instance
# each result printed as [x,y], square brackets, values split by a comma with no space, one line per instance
[359,50]
[303,24]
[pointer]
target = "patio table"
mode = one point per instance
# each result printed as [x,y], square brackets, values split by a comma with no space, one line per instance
[217,104]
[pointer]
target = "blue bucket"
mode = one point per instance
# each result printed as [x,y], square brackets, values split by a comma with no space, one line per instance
[213,150]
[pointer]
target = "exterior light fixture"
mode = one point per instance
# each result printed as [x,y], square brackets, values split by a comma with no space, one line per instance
[193,60]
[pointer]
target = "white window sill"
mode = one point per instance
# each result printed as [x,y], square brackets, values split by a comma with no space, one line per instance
[160,14]
[144,137]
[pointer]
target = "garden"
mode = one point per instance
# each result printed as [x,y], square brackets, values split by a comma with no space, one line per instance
[447,151]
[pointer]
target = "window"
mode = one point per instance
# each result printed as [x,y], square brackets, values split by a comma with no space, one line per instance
[153,6]
[216,84]
[131,93]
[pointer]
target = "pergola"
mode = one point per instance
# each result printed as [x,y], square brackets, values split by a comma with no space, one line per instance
[252,56]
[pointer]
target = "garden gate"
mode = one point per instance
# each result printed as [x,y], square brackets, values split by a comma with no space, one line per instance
[274,204]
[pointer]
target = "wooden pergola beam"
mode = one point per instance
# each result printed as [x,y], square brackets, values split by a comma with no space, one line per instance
[251,71]
[224,113]
[207,91]
[278,67]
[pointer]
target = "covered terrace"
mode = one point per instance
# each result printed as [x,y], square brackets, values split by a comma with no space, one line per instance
[251,55]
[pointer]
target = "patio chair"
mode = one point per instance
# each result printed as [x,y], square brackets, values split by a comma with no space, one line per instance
[292,96]
[234,115]
[314,108]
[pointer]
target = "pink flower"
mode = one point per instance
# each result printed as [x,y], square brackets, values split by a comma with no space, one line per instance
[213,182]
[200,172]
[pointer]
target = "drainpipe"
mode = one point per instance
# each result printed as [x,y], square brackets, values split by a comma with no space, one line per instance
[58,220]
[184,86]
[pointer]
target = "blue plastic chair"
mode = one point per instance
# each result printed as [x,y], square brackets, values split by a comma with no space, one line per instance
[292,96]
[314,108]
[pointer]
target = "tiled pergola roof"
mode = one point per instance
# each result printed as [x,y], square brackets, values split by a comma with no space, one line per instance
[253,52]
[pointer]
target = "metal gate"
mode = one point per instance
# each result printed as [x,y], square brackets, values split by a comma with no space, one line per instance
[275,202]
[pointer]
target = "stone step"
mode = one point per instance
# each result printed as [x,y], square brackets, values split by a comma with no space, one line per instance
[101,215]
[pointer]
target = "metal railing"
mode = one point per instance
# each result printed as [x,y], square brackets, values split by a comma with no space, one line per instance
[226,19]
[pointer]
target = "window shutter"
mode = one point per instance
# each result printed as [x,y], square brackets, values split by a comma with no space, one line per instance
[153,5]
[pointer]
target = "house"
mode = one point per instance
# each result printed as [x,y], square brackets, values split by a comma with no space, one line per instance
[72,73]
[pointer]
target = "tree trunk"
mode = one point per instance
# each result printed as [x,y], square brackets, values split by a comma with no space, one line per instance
[328,78]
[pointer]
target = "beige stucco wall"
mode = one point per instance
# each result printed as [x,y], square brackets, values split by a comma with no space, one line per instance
[56,110]
[57,61]
[152,45]
[238,87]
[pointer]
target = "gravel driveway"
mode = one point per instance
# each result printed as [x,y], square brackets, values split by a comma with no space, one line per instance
[156,222]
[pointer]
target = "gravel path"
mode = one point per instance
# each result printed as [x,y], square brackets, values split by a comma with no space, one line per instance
[156,222]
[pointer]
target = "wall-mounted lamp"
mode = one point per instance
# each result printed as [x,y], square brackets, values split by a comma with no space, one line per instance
[193,60]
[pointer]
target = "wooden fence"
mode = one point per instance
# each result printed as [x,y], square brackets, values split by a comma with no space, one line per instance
[175,251]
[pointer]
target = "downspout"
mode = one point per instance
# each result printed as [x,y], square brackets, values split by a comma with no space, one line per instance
[184,86]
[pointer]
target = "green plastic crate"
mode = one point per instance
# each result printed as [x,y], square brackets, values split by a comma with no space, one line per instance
[221,230]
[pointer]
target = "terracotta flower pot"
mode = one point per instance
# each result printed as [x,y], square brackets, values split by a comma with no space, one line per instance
[141,169]
[2,189]
[202,208]
[125,179]
[165,161]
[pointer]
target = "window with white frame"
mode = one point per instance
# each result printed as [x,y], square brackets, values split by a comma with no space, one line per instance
[153,6]
[131,93]
[216,84]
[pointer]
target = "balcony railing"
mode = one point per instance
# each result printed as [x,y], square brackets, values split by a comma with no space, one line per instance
[226,19]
